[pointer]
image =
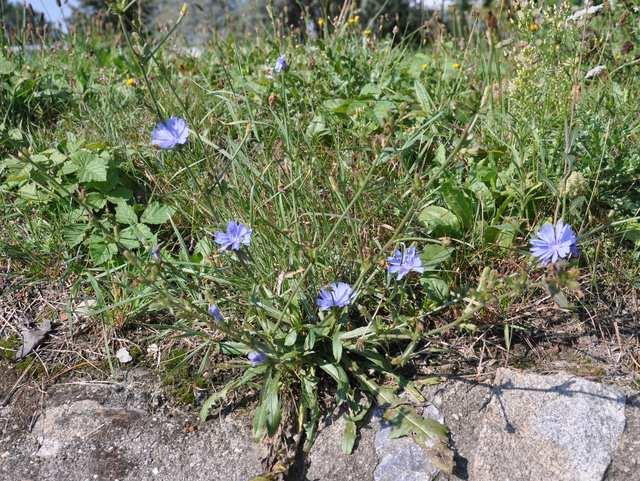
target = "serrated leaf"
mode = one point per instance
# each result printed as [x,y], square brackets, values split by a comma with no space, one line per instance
[156,213]
[96,200]
[310,401]
[90,167]
[101,250]
[349,436]
[73,234]
[125,214]
[135,235]
[403,415]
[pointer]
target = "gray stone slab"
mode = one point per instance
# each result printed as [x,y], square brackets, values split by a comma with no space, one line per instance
[327,462]
[557,427]
[105,433]
[626,462]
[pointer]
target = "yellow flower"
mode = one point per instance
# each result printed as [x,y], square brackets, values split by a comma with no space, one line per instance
[354,20]
[456,66]
[321,22]
[424,66]
[184,9]
[534,27]
[367,33]
[131,82]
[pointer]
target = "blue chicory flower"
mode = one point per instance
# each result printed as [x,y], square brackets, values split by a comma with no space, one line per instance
[339,294]
[554,242]
[281,64]
[256,358]
[214,312]
[236,236]
[169,133]
[402,262]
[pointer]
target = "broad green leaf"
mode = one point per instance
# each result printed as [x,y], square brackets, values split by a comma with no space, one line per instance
[101,250]
[441,155]
[423,97]
[91,167]
[435,288]
[317,127]
[338,106]
[337,346]
[136,235]
[157,213]
[501,234]
[267,415]
[434,254]
[6,67]
[383,110]
[349,436]
[232,348]
[484,196]
[57,157]
[291,337]
[96,200]
[29,191]
[631,232]
[69,167]
[370,90]
[41,159]
[460,203]
[125,214]
[73,234]
[310,340]
[336,372]
[440,221]
[357,332]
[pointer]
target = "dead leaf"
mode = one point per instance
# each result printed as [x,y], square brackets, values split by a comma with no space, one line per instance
[31,337]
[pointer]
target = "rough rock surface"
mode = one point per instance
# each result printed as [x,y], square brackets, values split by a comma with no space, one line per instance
[521,427]
[105,433]
[326,461]
[558,427]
